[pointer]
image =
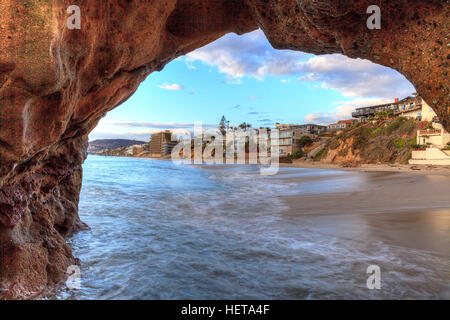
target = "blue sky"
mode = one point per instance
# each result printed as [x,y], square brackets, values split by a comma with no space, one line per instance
[245,79]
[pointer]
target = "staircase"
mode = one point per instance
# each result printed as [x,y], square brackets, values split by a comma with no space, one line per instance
[431,156]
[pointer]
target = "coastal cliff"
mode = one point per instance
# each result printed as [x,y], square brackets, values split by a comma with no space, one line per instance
[56,84]
[383,141]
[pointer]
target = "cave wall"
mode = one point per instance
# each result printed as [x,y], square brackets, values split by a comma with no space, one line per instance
[57,83]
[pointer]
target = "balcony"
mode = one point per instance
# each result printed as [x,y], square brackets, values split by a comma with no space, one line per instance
[363,113]
[430,132]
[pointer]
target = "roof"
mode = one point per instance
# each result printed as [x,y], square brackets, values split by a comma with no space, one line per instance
[410,110]
[390,103]
[349,121]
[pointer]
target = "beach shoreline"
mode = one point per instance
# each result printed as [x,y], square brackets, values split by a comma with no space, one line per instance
[310,164]
[400,208]
[381,167]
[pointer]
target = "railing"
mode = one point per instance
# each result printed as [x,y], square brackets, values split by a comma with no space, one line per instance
[359,113]
[429,132]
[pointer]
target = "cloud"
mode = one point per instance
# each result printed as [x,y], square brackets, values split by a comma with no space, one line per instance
[251,55]
[139,130]
[248,55]
[343,111]
[155,125]
[355,77]
[173,86]
[253,98]
[234,81]
[140,135]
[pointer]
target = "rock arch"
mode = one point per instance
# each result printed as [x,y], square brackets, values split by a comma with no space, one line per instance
[56,84]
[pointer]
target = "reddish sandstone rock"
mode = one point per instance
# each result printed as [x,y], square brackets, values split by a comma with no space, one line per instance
[56,84]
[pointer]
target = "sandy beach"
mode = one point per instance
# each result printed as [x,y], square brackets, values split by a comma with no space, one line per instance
[228,232]
[397,206]
[381,167]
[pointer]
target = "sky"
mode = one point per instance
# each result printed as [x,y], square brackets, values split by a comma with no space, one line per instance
[246,80]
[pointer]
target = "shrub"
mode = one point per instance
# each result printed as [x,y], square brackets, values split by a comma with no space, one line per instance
[419,146]
[304,141]
[319,154]
[361,135]
[377,131]
[400,143]
[296,155]
[394,125]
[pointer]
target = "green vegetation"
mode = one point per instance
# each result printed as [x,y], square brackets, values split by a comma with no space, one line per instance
[385,141]
[401,142]
[296,155]
[304,141]
[419,146]
[385,114]
[319,154]
[245,125]
[400,125]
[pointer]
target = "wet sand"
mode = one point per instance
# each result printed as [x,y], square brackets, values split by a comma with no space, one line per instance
[399,209]
[381,167]
[396,217]
[228,232]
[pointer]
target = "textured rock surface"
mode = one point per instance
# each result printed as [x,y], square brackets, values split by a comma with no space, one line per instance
[386,141]
[56,83]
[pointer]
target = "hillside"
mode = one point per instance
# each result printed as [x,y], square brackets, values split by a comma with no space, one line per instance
[98,146]
[383,141]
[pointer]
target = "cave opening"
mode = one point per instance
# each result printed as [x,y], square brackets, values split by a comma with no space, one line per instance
[158,225]
[56,83]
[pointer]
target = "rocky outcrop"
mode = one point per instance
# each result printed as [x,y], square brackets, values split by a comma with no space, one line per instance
[56,83]
[384,141]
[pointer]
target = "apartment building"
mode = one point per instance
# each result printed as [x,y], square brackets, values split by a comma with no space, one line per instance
[288,137]
[341,125]
[161,144]
[406,104]
[313,129]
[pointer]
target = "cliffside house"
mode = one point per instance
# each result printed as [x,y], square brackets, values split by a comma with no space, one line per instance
[398,106]
[288,137]
[420,111]
[313,129]
[341,125]
[161,144]
[436,139]
[436,136]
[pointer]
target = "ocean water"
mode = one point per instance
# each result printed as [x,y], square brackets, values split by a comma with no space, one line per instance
[163,231]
